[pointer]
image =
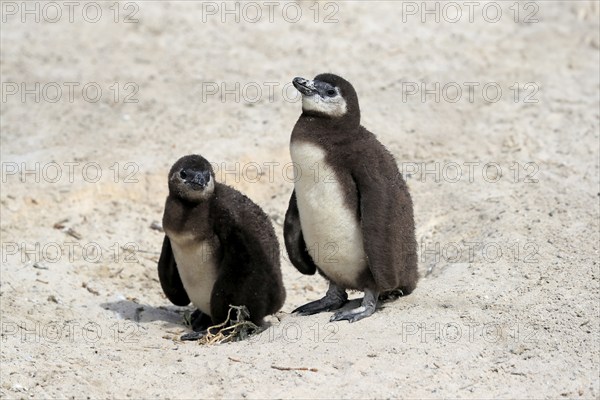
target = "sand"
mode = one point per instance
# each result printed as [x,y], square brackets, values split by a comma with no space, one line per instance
[493,118]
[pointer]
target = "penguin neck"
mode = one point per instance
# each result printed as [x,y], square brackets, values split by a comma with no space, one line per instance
[182,216]
[326,130]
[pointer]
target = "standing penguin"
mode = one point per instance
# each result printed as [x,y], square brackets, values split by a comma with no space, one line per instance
[350,215]
[220,249]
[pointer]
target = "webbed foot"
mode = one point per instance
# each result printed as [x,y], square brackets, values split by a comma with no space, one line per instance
[366,309]
[200,321]
[193,335]
[335,298]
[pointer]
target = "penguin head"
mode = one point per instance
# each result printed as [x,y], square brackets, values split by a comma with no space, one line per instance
[192,179]
[328,95]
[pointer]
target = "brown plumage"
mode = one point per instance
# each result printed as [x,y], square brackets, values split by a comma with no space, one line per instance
[370,188]
[220,248]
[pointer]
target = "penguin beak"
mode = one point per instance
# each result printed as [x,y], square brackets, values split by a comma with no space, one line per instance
[304,86]
[196,179]
[200,181]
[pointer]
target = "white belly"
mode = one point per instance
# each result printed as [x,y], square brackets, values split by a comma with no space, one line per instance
[331,232]
[196,264]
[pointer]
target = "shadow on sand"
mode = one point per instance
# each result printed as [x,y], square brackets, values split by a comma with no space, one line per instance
[143,313]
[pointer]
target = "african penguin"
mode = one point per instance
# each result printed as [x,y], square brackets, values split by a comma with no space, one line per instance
[220,249]
[350,215]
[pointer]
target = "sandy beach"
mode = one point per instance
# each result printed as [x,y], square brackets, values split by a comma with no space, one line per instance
[491,110]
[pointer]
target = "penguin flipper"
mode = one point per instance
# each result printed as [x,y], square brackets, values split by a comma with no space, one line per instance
[169,276]
[294,240]
[376,227]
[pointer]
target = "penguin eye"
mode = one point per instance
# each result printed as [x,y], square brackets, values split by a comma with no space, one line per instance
[182,174]
[330,92]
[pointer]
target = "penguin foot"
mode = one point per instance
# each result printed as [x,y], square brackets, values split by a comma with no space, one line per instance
[193,336]
[335,298]
[317,306]
[200,321]
[367,308]
[352,315]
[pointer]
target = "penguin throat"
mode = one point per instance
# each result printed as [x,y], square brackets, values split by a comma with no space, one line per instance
[331,108]
[316,122]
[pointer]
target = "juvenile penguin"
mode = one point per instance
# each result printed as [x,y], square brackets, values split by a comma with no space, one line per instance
[220,249]
[350,216]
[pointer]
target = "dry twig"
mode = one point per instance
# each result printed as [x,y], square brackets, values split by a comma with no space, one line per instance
[294,369]
[230,330]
